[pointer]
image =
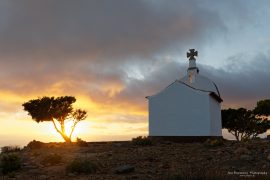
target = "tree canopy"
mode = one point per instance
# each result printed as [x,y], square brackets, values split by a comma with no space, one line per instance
[263,108]
[58,109]
[245,124]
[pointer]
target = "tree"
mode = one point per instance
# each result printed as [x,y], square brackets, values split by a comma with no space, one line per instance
[243,124]
[59,110]
[263,108]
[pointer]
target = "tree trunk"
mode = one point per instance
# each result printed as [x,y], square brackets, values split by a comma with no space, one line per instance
[62,132]
[66,138]
[236,135]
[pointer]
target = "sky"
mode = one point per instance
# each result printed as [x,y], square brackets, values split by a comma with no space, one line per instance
[110,55]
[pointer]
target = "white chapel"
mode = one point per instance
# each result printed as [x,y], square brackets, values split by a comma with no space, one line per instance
[188,107]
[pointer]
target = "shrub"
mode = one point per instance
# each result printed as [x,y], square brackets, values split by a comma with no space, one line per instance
[214,142]
[52,159]
[82,165]
[11,174]
[10,149]
[35,144]
[81,142]
[142,141]
[9,163]
[246,140]
[35,154]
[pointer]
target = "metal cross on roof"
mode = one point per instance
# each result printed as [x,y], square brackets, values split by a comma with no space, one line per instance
[191,54]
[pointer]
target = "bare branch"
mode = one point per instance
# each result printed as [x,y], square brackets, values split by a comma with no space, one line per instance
[78,115]
[72,128]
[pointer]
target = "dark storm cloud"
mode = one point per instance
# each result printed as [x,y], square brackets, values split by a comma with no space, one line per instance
[51,41]
[89,45]
[244,80]
[99,30]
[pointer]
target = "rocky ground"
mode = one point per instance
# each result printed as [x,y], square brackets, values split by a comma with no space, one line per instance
[161,160]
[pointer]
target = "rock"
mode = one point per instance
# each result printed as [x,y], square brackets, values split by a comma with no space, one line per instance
[164,166]
[245,157]
[134,177]
[268,157]
[124,169]
[150,172]
[43,177]
[71,175]
[219,153]
[30,167]
[150,159]
[241,150]
[34,171]
[25,164]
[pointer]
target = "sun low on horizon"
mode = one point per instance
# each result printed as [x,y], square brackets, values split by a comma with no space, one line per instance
[101,123]
[110,55]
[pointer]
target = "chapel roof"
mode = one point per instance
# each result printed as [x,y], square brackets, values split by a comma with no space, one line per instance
[202,83]
[214,94]
[196,81]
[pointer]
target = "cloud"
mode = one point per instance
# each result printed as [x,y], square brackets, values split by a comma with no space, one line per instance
[91,47]
[53,36]
[114,53]
[242,81]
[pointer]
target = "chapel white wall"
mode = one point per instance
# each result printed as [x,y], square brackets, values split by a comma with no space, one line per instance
[215,116]
[179,111]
